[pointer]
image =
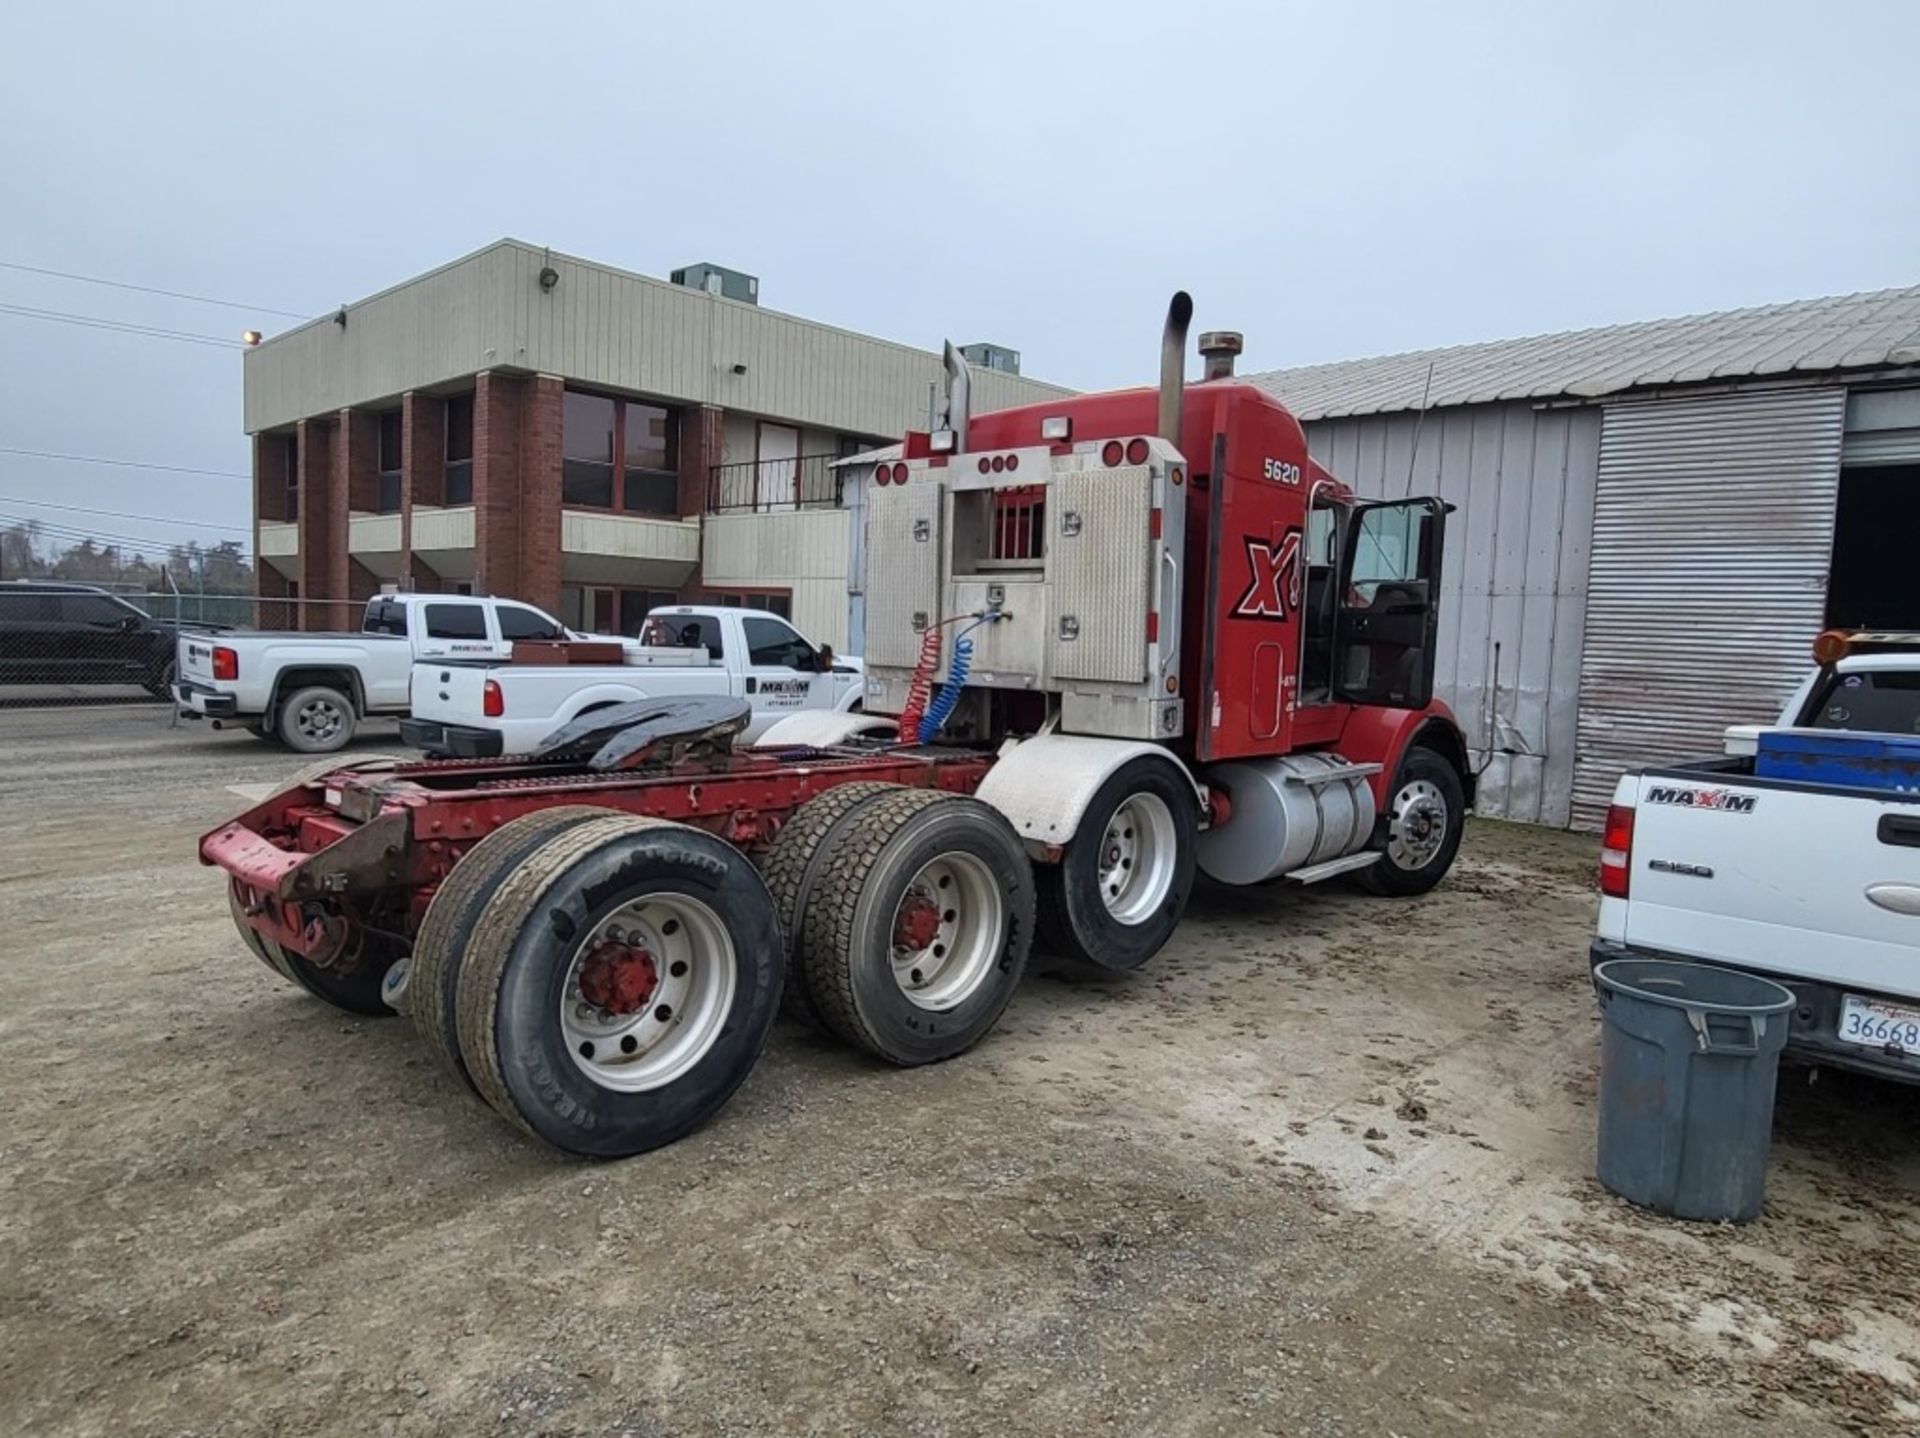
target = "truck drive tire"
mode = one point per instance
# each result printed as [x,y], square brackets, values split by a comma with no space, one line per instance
[918,926]
[1116,897]
[316,719]
[433,983]
[1420,831]
[619,985]
[792,865]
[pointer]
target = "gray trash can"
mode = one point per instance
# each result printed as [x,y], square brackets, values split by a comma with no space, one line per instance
[1688,1058]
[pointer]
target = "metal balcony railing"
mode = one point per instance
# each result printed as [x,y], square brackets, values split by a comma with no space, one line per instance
[767,485]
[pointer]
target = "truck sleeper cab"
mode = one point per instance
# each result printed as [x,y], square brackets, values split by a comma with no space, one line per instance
[1164,582]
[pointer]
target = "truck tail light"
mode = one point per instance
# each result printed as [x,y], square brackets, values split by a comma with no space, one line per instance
[226,663]
[1136,451]
[1112,452]
[492,702]
[1616,851]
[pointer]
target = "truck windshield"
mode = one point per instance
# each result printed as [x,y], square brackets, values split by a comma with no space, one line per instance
[1885,701]
[384,616]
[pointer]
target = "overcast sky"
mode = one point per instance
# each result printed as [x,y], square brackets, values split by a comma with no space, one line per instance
[1335,180]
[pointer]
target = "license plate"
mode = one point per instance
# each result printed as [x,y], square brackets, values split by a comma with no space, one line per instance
[1873,1023]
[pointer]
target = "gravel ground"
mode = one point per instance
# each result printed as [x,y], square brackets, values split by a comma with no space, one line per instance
[1321,1168]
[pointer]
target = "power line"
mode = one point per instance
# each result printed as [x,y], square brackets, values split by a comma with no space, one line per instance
[94,322]
[125,463]
[70,535]
[123,514]
[150,290]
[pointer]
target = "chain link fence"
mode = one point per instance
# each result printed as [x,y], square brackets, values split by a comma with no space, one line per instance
[69,644]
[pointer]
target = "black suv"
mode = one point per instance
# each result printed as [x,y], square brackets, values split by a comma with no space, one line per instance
[54,633]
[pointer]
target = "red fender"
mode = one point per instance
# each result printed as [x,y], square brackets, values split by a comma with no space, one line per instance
[1383,736]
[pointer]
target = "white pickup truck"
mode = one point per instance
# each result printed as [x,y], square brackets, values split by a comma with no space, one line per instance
[472,710]
[309,690]
[1796,855]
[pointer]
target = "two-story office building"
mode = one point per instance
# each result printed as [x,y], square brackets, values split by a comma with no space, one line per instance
[588,439]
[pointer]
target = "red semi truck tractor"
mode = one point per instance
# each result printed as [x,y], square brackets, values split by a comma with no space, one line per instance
[1111,641]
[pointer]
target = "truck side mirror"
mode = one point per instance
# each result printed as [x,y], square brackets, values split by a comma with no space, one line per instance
[823,659]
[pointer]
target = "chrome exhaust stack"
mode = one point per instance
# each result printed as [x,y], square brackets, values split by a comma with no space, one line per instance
[1173,365]
[959,397]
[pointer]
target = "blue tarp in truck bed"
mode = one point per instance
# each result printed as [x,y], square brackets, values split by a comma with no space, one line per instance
[1890,762]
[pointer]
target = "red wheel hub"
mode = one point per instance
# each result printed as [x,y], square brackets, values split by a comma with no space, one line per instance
[918,923]
[618,978]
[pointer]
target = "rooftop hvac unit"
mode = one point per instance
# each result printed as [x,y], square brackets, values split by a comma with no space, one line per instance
[719,280]
[999,357]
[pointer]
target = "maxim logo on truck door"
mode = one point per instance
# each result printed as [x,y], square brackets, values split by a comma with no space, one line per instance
[1273,581]
[1725,800]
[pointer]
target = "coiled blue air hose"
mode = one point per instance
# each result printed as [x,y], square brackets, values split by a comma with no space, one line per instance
[948,699]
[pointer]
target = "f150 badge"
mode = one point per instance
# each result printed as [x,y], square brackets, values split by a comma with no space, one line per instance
[1725,800]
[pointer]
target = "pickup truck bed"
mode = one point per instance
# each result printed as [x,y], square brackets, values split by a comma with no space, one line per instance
[1814,884]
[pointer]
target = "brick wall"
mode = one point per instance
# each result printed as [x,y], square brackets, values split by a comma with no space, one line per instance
[496,482]
[272,467]
[538,580]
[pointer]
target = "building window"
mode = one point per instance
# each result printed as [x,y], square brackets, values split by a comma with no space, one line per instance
[459,468]
[387,501]
[290,461]
[619,455]
[609,608]
[778,602]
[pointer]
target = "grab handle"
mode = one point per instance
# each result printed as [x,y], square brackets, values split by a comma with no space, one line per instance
[1739,1034]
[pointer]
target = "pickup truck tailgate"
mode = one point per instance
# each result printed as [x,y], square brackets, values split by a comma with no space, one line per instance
[1804,879]
[195,658]
[448,693]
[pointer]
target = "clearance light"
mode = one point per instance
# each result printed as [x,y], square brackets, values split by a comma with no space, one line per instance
[1831,646]
[1111,453]
[1013,463]
[1616,851]
[942,441]
[985,464]
[1057,427]
[999,464]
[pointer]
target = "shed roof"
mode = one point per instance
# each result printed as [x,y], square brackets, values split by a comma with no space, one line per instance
[1871,330]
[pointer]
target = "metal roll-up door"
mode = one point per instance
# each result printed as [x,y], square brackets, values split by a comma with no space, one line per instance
[1712,533]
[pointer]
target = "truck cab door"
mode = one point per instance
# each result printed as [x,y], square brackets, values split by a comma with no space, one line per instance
[782,671]
[1389,606]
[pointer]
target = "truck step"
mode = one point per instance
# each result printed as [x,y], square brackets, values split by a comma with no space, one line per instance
[1314,873]
[1340,771]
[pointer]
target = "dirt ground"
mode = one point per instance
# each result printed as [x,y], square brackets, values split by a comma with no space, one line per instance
[1321,1168]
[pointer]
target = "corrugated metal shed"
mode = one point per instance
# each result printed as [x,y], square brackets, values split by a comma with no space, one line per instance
[1712,527]
[1513,576]
[1862,331]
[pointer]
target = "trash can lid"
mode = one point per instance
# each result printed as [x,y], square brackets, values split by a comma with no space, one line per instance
[1683,984]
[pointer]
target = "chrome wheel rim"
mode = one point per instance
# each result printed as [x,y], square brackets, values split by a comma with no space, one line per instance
[647,993]
[1416,824]
[318,719]
[1137,858]
[948,931]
